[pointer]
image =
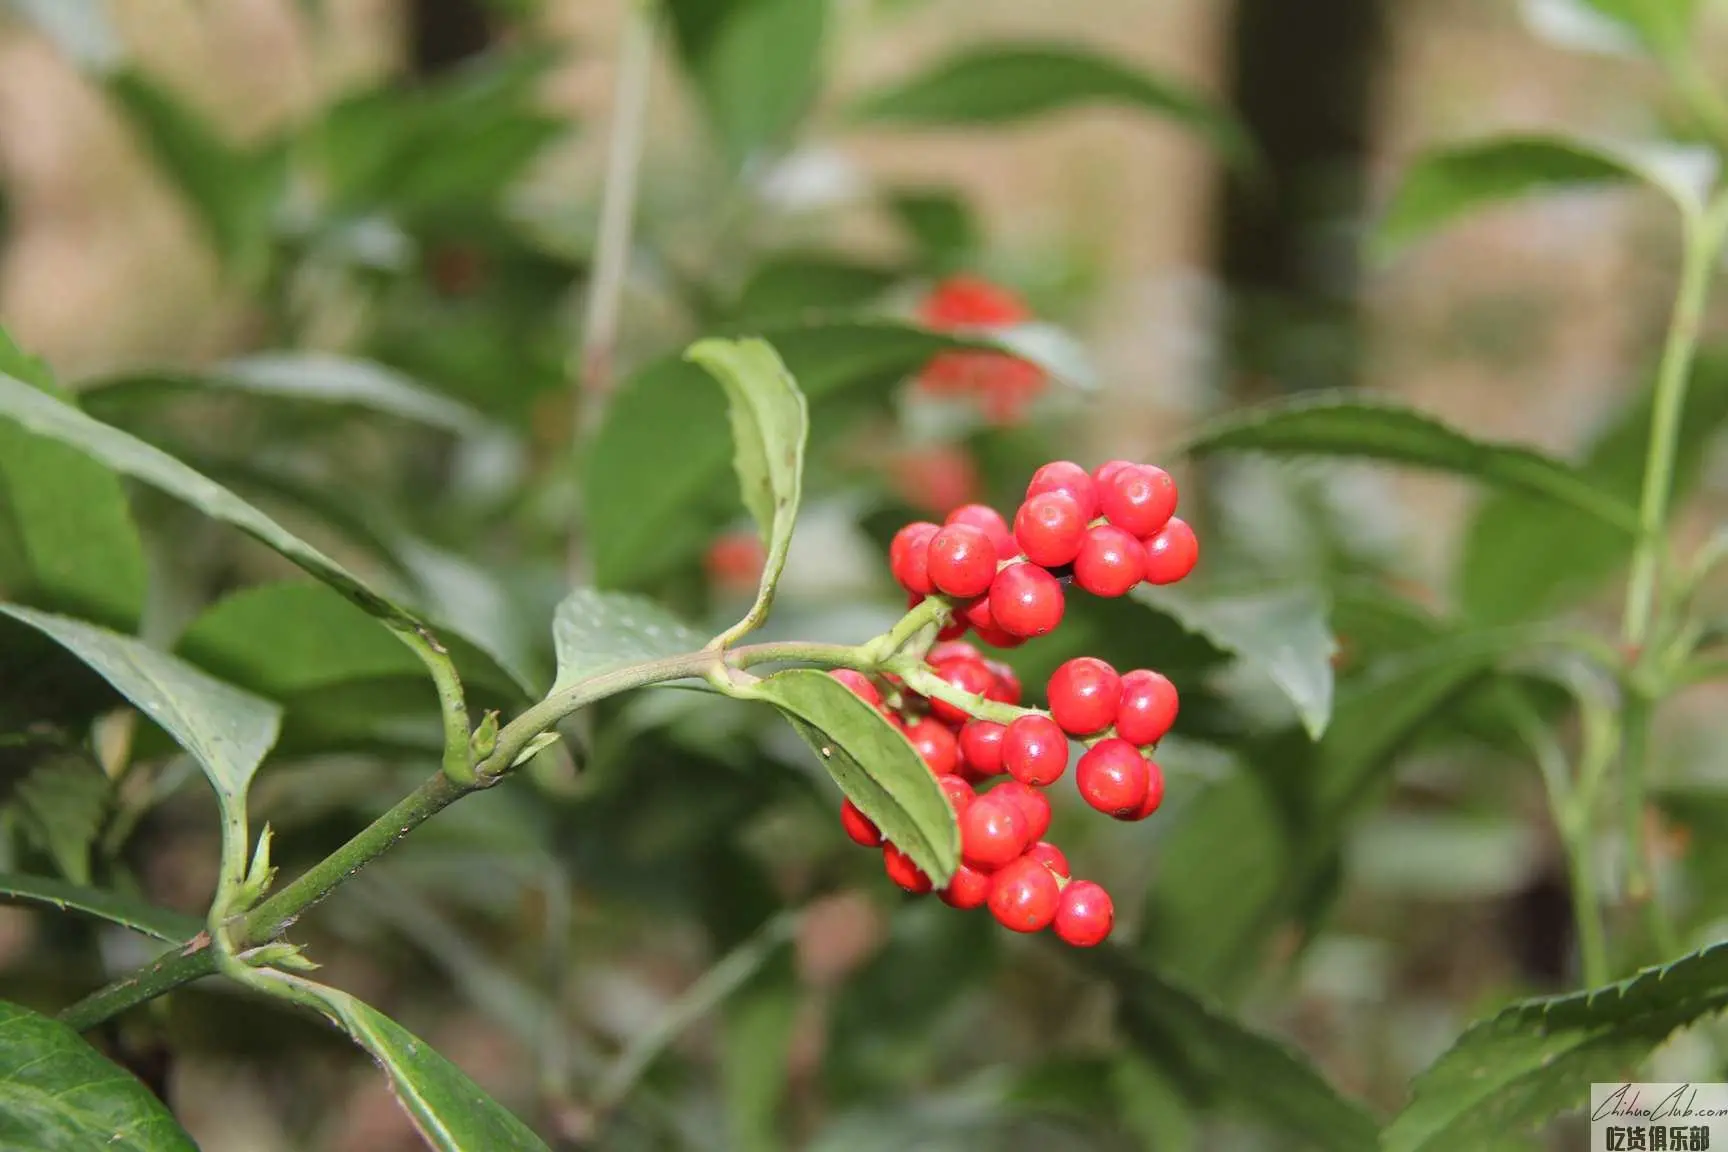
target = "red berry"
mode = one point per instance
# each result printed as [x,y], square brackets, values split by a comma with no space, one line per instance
[1007,684]
[859,684]
[935,479]
[909,557]
[1113,777]
[1051,857]
[1033,805]
[990,521]
[997,638]
[952,649]
[992,832]
[977,615]
[1154,792]
[936,746]
[1070,477]
[1084,695]
[962,560]
[966,301]
[1101,474]
[981,746]
[952,630]
[966,674]
[858,827]
[1148,707]
[1049,528]
[1035,750]
[902,871]
[958,792]
[1084,914]
[1172,553]
[1025,600]
[1110,563]
[1024,896]
[969,888]
[734,561]
[1139,499]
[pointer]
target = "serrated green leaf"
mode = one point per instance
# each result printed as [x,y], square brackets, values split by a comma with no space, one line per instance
[596,632]
[1447,183]
[1525,1064]
[58,1094]
[1281,633]
[1003,83]
[757,64]
[63,803]
[874,765]
[1522,557]
[1349,426]
[44,891]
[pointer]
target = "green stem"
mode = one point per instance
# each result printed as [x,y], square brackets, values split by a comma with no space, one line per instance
[1640,888]
[1586,903]
[452,705]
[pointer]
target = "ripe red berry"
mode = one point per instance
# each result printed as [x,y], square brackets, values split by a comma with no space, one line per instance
[1154,792]
[902,871]
[958,792]
[966,301]
[1033,805]
[1035,750]
[859,684]
[734,561]
[1113,777]
[981,746]
[967,674]
[909,557]
[997,638]
[951,650]
[1049,528]
[1025,600]
[992,832]
[1148,707]
[1007,689]
[1024,896]
[1139,499]
[969,888]
[1101,474]
[1110,563]
[988,520]
[1051,857]
[1084,914]
[936,746]
[1172,553]
[935,479]
[857,826]
[977,614]
[1084,695]
[962,560]
[1070,477]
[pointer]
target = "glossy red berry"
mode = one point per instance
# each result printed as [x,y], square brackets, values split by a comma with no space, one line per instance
[997,638]
[1172,553]
[1070,477]
[992,832]
[1051,857]
[1148,708]
[860,685]
[969,888]
[903,872]
[981,746]
[935,745]
[1024,896]
[1026,601]
[1101,474]
[1084,914]
[968,675]
[1033,805]
[858,827]
[1085,693]
[990,522]
[958,792]
[962,560]
[1139,499]
[1113,778]
[1154,792]
[1110,563]
[977,615]
[1007,689]
[1035,750]
[953,650]
[909,557]
[1049,527]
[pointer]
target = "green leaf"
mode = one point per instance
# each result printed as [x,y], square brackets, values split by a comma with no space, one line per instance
[58,1094]
[598,632]
[1518,1068]
[874,765]
[1523,557]
[63,803]
[1347,425]
[939,221]
[1280,633]
[784,286]
[770,426]
[1447,183]
[1003,83]
[450,1111]
[757,64]
[1663,26]
[1218,1062]
[164,925]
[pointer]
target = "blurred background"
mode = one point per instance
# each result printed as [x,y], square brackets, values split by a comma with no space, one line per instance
[414,186]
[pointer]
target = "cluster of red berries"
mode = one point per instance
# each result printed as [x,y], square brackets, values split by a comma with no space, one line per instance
[1107,531]
[1004,384]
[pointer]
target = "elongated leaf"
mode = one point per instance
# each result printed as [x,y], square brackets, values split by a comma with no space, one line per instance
[1281,633]
[58,1094]
[785,286]
[63,803]
[1524,1065]
[597,632]
[1448,183]
[123,910]
[1217,1061]
[1344,425]
[757,64]
[1525,557]
[1003,83]
[450,1110]
[875,766]
[939,221]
